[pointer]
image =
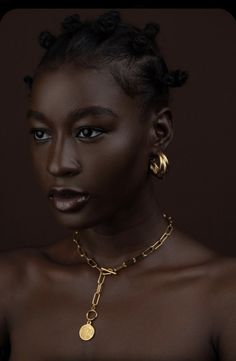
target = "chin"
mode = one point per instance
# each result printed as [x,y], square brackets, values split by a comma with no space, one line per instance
[74,220]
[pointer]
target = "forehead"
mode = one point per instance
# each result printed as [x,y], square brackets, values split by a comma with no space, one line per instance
[60,91]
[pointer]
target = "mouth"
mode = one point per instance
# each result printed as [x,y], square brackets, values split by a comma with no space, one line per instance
[68,199]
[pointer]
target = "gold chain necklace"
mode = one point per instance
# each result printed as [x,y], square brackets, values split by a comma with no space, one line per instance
[87,331]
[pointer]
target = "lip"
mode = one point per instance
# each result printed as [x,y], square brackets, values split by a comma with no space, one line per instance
[68,199]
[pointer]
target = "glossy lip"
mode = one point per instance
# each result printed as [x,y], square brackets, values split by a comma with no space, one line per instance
[68,199]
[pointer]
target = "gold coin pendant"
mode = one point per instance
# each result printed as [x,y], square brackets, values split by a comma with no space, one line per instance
[86,332]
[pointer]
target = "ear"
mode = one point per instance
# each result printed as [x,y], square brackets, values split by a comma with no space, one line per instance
[161,130]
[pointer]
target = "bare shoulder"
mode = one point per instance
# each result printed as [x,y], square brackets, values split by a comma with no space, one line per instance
[18,257]
[219,275]
[21,266]
[221,270]
[17,266]
[223,287]
[188,252]
[223,306]
[218,278]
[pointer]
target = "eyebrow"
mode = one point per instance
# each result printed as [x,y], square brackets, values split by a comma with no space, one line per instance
[76,114]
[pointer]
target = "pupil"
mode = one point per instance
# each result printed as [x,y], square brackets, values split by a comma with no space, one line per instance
[87,131]
[40,133]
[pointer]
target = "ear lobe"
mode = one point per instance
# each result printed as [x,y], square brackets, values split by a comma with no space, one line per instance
[162,129]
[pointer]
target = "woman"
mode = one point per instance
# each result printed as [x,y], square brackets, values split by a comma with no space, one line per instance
[127,285]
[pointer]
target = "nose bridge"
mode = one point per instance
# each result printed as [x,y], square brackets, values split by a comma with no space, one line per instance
[62,157]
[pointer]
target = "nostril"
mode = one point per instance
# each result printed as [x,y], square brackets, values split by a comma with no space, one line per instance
[72,173]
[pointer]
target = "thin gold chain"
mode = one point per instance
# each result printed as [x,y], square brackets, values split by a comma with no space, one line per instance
[87,331]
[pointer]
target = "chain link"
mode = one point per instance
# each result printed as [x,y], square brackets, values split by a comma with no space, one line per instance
[91,315]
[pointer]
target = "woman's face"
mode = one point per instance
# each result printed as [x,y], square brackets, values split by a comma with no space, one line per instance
[90,137]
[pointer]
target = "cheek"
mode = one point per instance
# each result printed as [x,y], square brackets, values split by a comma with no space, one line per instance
[38,160]
[120,164]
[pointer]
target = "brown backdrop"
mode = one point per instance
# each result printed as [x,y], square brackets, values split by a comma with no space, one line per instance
[199,191]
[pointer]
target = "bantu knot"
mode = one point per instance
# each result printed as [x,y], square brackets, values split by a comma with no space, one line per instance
[28,81]
[176,78]
[71,23]
[46,39]
[141,43]
[107,23]
[151,30]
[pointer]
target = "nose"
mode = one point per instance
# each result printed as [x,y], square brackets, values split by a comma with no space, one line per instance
[62,159]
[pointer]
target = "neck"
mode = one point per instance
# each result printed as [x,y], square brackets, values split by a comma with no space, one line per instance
[126,234]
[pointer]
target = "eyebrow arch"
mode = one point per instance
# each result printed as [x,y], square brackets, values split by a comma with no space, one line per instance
[35,114]
[76,114]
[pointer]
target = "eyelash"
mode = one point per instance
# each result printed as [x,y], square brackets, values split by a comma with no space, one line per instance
[35,130]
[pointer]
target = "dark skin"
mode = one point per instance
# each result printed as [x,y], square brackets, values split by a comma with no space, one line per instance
[178,304]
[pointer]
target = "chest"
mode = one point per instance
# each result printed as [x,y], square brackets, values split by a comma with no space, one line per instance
[163,320]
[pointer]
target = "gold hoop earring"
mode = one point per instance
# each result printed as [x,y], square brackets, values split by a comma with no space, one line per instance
[159,170]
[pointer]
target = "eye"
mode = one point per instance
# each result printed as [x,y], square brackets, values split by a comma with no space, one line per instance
[39,134]
[88,132]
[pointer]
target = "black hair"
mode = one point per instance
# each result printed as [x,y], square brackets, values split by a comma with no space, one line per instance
[131,54]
